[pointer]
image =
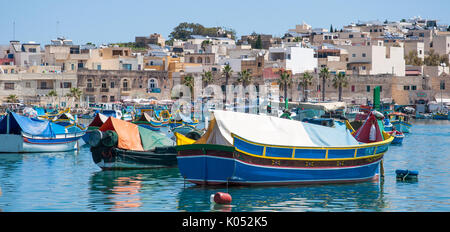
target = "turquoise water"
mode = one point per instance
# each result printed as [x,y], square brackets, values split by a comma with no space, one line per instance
[70,181]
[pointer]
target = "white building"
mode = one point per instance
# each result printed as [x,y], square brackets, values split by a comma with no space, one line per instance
[374,60]
[294,57]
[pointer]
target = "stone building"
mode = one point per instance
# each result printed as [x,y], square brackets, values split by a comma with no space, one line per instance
[115,85]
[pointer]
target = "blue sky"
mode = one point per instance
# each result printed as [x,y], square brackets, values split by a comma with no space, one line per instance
[104,21]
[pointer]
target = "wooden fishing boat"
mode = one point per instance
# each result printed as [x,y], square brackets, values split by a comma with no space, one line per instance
[236,151]
[147,121]
[118,144]
[20,134]
[398,137]
[400,122]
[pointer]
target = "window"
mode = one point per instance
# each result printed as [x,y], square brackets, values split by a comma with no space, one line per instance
[353,88]
[65,85]
[413,87]
[99,67]
[104,98]
[125,84]
[27,85]
[363,67]
[89,83]
[364,55]
[421,35]
[350,36]
[420,52]
[406,87]
[353,55]
[111,98]
[368,88]
[112,85]
[103,83]
[153,84]
[442,85]
[381,88]
[32,50]
[9,86]
[72,66]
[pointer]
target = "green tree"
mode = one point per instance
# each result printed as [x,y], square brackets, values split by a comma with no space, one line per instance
[324,74]
[189,82]
[340,81]
[12,98]
[184,30]
[205,44]
[245,78]
[413,59]
[331,28]
[433,59]
[258,43]
[227,72]
[207,78]
[284,81]
[52,93]
[305,81]
[75,93]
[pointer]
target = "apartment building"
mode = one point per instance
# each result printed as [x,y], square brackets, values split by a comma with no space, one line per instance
[375,60]
[294,57]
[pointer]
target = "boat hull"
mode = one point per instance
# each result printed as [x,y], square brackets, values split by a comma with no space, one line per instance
[402,126]
[117,159]
[216,165]
[398,139]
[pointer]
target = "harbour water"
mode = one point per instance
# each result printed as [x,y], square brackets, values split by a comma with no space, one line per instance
[71,182]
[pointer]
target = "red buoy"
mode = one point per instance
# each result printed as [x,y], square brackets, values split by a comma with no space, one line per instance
[222,198]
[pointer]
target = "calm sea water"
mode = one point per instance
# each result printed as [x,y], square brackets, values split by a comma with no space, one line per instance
[70,181]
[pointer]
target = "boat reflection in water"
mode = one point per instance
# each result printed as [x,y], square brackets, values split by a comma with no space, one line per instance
[132,190]
[365,196]
[119,191]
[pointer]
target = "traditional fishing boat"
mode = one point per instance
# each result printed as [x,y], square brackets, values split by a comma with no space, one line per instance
[398,137]
[118,144]
[237,150]
[22,134]
[400,121]
[147,121]
[440,115]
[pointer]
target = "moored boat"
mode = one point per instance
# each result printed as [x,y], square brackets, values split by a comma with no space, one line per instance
[118,144]
[398,137]
[246,149]
[147,121]
[20,134]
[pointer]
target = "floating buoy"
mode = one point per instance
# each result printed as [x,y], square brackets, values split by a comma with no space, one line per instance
[406,174]
[221,198]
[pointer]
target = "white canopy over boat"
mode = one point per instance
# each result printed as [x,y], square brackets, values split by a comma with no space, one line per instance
[272,130]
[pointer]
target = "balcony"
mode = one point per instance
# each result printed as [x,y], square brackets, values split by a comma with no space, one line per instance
[153,90]
[89,90]
[125,89]
[104,90]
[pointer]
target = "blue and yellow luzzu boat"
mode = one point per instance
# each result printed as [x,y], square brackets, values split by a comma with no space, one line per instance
[318,154]
[399,121]
[148,122]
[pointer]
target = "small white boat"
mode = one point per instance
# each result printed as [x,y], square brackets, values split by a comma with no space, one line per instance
[20,134]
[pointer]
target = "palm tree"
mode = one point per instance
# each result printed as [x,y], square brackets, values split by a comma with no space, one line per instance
[12,98]
[306,81]
[324,74]
[52,93]
[340,81]
[189,82]
[227,72]
[245,78]
[207,78]
[285,81]
[75,93]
